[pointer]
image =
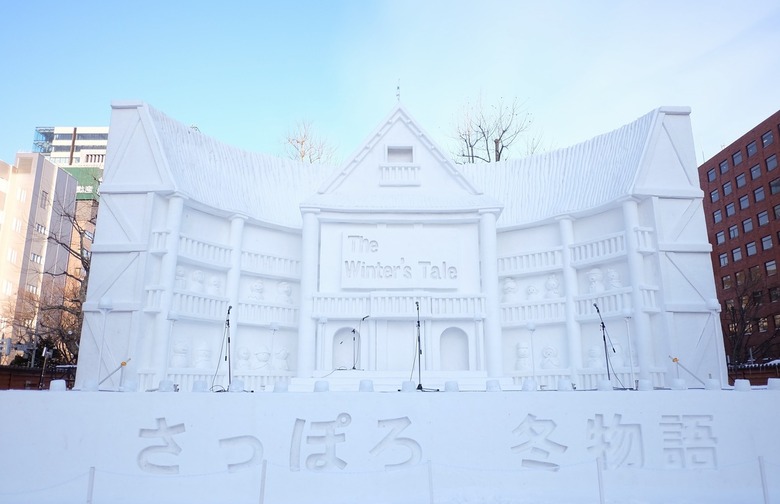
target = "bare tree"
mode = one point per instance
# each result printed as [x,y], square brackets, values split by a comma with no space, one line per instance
[486,134]
[745,322]
[304,144]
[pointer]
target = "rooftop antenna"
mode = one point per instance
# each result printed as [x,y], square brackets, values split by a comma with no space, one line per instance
[398,90]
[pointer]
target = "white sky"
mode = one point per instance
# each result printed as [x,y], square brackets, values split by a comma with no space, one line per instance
[246,72]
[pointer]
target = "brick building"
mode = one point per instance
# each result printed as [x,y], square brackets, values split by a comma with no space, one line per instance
[742,203]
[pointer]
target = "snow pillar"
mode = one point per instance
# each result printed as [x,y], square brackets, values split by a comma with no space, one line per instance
[307,326]
[573,334]
[640,321]
[159,357]
[489,267]
[234,273]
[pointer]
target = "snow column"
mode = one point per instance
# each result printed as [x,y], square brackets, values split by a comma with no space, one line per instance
[234,273]
[489,258]
[574,337]
[307,326]
[162,329]
[640,321]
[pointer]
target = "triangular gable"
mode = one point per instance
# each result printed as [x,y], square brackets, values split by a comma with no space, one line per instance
[137,163]
[383,162]
[668,165]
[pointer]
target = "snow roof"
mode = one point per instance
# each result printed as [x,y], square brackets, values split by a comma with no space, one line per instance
[268,188]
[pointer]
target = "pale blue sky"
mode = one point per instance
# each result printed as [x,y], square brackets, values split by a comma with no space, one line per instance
[246,71]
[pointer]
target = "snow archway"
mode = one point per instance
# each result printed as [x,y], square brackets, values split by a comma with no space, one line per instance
[454,350]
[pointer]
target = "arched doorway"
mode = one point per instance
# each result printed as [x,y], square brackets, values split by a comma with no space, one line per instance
[454,350]
[346,348]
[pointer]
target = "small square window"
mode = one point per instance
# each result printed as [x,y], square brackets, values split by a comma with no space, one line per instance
[739,276]
[754,272]
[777,321]
[771,268]
[714,196]
[774,294]
[724,259]
[727,188]
[758,194]
[736,254]
[758,297]
[747,225]
[711,175]
[744,202]
[733,232]
[720,237]
[763,218]
[763,324]
[752,148]
[777,211]
[755,172]
[724,166]
[726,282]
[771,162]
[741,180]
[766,242]
[774,186]
[767,138]
[751,249]
[400,155]
[730,210]
[736,158]
[717,216]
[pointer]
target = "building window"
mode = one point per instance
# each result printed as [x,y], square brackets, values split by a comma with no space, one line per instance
[777,211]
[724,166]
[736,158]
[777,321]
[763,218]
[400,155]
[36,258]
[751,249]
[730,210]
[741,180]
[717,216]
[774,294]
[720,237]
[771,162]
[733,232]
[736,254]
[766,242]
[767,138]
[44,199]
[739,276]
[752,148]
[771,268]
[726,282]
[744,202]
[755,172]
[90,235]
[711,175]
[714,196]
[758,194]
[747,225]
[12,256]
[754,272]
[727,188]
[774,186]
[21,195]
[724,259]
[40,228]
[763,324]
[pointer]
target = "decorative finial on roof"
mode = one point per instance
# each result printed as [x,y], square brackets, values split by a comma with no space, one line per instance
[398,90]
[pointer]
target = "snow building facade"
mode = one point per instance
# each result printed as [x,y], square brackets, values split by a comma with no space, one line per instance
[306,272]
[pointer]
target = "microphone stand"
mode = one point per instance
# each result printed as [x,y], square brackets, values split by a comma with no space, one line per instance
[604,337]
[419,349]
[354,352]
[227,354]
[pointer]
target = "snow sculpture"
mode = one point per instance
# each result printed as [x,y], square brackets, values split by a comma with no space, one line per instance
[256,290]
[510,291]
[263,358]
[396,231]
[523,362]
[595,357]
[180,351]
[595,281]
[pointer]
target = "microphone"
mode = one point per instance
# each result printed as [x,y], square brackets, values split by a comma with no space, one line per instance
[229,308]
[364,318]
[596,307]
[417,304]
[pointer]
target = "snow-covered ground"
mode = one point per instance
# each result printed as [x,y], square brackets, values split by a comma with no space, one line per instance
[620,446]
